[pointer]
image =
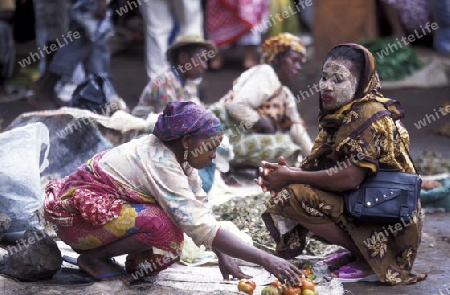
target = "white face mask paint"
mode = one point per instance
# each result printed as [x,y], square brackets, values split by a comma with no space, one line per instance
[337,84]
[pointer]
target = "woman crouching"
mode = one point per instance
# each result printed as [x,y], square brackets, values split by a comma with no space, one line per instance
[359,133]
[139,198]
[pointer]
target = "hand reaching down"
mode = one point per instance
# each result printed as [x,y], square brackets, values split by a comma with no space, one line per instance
[228,267]
[283,270]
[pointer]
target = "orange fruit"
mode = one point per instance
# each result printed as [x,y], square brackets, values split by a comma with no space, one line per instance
[292,291]
[308,284]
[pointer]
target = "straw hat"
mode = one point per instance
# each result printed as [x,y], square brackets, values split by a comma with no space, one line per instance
[189,39]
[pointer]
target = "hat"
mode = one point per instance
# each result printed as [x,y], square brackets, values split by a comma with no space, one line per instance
[189,39]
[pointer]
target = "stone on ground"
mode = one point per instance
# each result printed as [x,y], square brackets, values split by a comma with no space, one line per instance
[36,256]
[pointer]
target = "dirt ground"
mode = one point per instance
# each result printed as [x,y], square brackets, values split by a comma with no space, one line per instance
[434,253]
[129,77]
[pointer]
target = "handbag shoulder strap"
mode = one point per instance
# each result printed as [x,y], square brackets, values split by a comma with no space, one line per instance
[401,138]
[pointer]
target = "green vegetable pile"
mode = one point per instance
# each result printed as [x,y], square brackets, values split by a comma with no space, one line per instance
[399,62]
[246,212]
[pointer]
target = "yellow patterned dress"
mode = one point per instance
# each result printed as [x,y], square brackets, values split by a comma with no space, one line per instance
[367,133]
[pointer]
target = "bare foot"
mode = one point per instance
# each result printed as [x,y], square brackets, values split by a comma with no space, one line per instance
[104,270]
[146,264]
[133,260]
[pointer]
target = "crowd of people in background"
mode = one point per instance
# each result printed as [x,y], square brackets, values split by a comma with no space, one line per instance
[258,118]
[226,23]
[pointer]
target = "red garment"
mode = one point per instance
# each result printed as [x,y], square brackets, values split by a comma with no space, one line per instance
[87,194]
[229,20]
[91,210]
[146,223]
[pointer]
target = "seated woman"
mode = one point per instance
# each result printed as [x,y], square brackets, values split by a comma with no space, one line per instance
[360,131]
[139,198]
[260,112]
[188,57]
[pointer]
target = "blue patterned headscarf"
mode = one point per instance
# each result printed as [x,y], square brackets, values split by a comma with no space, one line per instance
[181,118]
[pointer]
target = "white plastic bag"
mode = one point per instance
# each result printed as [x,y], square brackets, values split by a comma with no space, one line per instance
[191,251]
[23,156]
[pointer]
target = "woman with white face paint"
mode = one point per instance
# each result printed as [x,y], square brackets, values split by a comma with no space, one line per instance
[337,84]
[359,133]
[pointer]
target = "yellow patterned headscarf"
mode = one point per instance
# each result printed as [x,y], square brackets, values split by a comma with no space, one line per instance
[369,82]
[279,44]
[369,85]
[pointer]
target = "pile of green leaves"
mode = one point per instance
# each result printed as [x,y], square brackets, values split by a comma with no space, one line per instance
[246,212]
[398,63]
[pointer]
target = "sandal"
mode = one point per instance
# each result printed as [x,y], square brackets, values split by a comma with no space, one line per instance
[350,274]
[120,274]
[337,260]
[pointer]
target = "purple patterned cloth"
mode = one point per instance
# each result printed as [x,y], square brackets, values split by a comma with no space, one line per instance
[181,118]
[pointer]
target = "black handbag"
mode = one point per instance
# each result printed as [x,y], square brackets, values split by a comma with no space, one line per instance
[387,197]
